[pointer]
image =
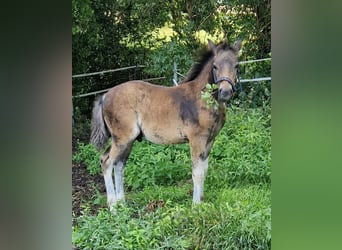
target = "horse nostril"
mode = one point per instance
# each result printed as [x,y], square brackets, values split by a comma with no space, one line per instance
[224,93]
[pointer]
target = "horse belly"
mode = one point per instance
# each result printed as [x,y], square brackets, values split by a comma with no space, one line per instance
[168,136]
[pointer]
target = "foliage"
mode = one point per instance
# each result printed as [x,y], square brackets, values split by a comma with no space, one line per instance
[242,151]
[207,96]
[114,34]
[255,94]
[235,215]
[168,165]
[235,219]
[161,60]
[89,156]
[80,125]
[236,211]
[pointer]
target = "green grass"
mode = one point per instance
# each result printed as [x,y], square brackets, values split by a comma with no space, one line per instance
[236,213]
[237,218]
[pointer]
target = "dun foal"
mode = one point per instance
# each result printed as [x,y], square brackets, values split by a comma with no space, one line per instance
[165,115]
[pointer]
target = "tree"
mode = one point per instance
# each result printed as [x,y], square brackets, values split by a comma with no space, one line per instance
[119,33]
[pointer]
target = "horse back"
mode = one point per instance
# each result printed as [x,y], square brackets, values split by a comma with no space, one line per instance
[165,115]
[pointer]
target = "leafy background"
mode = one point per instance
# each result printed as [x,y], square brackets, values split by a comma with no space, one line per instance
[114,34]
[158,213]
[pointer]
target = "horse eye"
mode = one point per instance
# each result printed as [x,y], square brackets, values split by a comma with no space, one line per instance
[214,66]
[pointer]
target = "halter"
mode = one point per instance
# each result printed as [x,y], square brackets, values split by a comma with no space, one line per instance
[230,81]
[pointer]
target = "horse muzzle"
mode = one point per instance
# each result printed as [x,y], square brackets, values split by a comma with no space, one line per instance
[224,95]
[226,91]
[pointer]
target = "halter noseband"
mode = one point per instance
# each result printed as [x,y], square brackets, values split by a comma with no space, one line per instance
[230,81]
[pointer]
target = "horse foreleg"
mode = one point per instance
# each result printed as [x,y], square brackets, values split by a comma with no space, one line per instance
[199,168]
[199,155]
[205,155]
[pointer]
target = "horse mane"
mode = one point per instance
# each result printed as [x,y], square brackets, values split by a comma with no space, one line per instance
[204,55]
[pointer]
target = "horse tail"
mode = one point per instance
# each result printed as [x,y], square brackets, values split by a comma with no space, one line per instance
[99,131]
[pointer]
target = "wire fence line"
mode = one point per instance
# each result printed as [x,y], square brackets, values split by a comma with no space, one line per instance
[256,60]
[245,80]
[174,80]
[104,90]
[107,71]
[142,66]
[242,62]
[160,78]
[176,73]
[256,79]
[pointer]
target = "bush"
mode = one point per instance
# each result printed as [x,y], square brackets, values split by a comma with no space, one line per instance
[161,60]
[242,151]
[255,94]
[88,155]
[154,165]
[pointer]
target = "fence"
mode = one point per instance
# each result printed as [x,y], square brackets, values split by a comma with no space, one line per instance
[110,71]
[174,80]
[176,73]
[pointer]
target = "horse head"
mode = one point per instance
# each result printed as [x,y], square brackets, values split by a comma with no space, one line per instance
[224,68]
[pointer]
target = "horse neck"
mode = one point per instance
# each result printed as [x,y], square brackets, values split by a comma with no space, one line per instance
[205,76]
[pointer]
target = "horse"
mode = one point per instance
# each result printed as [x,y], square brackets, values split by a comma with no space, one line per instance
[166,115]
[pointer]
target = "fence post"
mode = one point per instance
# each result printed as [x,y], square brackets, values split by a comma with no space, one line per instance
[175,74]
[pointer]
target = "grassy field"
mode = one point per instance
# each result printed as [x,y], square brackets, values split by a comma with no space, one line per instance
[158,214]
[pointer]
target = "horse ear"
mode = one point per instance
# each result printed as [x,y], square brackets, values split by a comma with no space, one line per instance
[212,46]
[237,45]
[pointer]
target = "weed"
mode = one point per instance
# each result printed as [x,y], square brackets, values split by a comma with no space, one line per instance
[88,155]
[237,219]
[207,96]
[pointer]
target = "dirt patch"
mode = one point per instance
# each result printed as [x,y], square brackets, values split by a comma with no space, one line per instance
[84,186]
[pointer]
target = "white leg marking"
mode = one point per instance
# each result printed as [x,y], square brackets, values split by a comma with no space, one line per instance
[107,174]
[118,172]
[198,173]
[205,164]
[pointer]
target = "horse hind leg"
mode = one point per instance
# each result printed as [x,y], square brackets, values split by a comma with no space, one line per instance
[107,170]
[119,166]
[115,159]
